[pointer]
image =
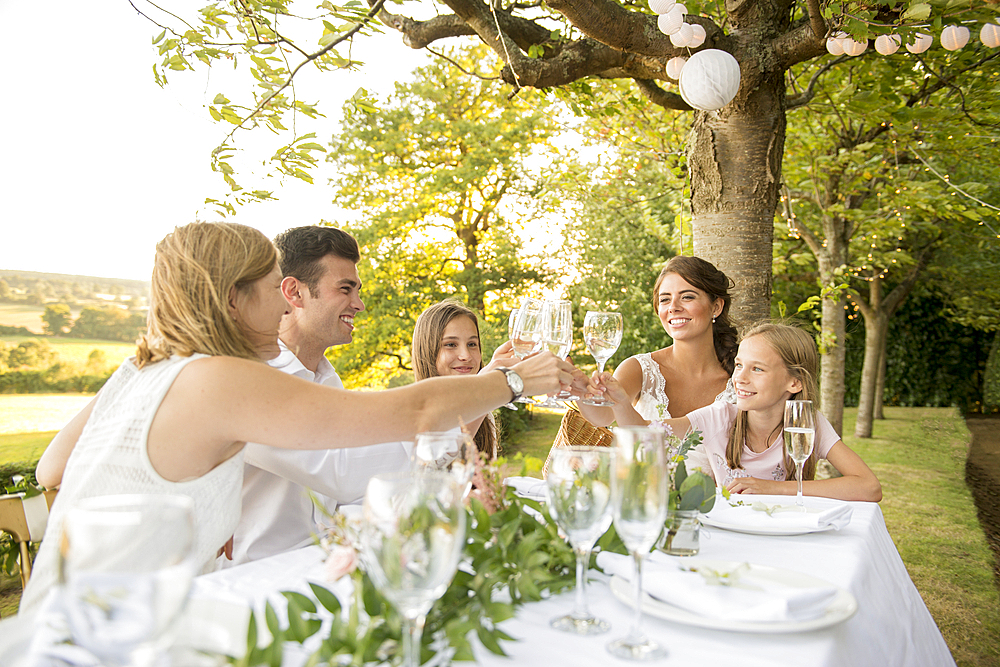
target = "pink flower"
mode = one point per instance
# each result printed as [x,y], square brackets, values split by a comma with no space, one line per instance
[342,560]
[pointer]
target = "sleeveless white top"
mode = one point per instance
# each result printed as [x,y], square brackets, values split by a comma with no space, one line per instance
[111,457]
[653,403]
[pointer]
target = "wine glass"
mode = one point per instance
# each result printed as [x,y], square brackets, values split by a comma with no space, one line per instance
[800,434]
[602,332]
[527,334]
[639,493]
[557,337]
[578,489]
[411,541]
[511,319]
[126,566]
[452,452]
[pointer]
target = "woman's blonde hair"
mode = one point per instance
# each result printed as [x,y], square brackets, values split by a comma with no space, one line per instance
[195,268]
[797,350]
[427,335]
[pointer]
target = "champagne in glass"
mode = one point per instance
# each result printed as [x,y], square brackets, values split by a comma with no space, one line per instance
[557,337]
[602,332]
[639,493]
[800,434]
[526,337]
[411,542]
[578,487]
[126,567]
[452,452]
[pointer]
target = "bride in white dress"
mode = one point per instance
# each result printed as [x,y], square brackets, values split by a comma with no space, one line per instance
[691,299]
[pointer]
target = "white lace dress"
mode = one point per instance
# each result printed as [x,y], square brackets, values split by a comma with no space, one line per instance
[111,458]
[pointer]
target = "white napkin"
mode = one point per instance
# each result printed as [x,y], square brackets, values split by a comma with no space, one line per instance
[782,515]
[528,487]
[748,598]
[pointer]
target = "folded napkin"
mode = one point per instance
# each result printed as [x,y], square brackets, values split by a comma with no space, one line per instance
[756,513]
[732,593]
[528,487]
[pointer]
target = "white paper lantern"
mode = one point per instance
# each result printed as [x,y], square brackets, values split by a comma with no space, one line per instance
[670,22]
[835,45]
[681,8]
[887,44]
[954,37]
[920,44]
[683,36]
[661,6]
[697,37]
[853,48]
[674,67]
[710,79]
[990,35]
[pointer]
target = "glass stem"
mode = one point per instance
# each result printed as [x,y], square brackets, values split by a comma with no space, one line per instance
[637,636]
[798,495]
[413,630]
[580,610]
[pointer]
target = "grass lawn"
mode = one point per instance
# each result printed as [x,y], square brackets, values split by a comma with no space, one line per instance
[76,351]
[30,413]
[919,456]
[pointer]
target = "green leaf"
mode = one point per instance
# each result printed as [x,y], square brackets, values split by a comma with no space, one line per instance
[156,40]
[916,12]
[326,598]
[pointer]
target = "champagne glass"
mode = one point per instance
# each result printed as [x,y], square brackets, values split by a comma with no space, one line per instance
[411,541]
[452,452]
[126,566]
[511,319]
[800,434]
[602,332]
[557,337]
[527,334]
[578,489]
[639,493]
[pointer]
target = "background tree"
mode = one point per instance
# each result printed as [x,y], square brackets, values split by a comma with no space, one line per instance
[442,184]
[56,319]
[735,154]
[109,323]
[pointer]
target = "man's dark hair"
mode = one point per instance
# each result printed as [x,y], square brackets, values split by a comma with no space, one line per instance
[300,250]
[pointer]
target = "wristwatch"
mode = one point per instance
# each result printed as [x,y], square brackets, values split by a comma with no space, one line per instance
[514,382]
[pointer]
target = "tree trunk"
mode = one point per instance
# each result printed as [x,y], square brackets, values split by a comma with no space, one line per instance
[880,380]
[876,326]
[832,360]
[734,157]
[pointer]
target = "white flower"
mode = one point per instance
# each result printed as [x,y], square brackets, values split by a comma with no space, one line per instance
[342,560]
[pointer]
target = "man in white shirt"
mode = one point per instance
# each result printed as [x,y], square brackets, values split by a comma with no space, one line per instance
[322,286]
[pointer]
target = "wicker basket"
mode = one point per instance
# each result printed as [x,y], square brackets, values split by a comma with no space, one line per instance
[575,430]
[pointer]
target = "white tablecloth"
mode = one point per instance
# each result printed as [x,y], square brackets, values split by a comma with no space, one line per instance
[892,625]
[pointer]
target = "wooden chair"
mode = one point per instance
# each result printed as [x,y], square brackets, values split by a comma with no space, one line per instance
[25,526]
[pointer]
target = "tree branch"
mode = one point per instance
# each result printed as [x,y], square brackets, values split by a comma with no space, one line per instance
[807,95]
[816,20]
[660,97]
[797,45]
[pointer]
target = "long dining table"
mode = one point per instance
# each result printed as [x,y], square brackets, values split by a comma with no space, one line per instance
[891,625]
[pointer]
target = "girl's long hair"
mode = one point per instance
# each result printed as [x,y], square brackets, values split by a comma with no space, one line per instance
[427,335]
[716,285]
[797,350]
[195,268]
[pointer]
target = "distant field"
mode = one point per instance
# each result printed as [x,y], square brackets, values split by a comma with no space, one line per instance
[22,315]
[29,413]
[23,447]
[77,350]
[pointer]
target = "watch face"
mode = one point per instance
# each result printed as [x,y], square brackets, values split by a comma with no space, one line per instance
[515,382]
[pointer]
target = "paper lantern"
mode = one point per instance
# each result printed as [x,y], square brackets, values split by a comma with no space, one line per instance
[661,6]
[990,35]
[698,36]
[674,67]
[710,79]
[887,44]
[853,48]
[835,45]
[920,44]
[683,36]
[670,22]
[954,37]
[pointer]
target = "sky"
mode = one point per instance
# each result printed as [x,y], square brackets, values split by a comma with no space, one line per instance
[98,163]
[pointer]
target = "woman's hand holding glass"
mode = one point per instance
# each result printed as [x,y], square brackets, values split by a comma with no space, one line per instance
[602,332]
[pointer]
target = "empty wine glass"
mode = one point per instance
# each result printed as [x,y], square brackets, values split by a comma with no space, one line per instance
[557,337]
[452,452]
[527,334]
[602,332]
[411,541]
[578,488]
[639,493]
[800,434]
[126,566]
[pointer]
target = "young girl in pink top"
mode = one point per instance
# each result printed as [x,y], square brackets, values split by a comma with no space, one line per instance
[744,443]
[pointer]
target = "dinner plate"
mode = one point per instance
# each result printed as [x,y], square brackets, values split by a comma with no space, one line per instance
[841,608]
[724,516]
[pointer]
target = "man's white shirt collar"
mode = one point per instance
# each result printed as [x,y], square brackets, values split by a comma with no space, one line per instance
[287,362]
